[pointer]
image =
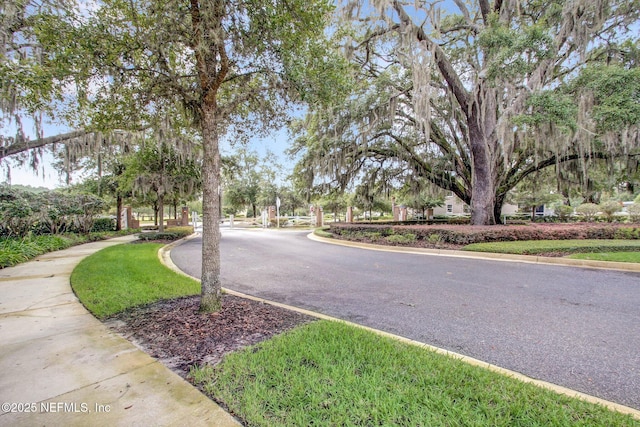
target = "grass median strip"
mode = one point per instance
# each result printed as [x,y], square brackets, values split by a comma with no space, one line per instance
[125,276]
[610,256]
[533,247]
[329,373]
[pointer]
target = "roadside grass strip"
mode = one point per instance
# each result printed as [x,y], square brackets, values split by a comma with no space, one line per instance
[609,256]
[534,247]
[330,373]
[124,276]
[323,232]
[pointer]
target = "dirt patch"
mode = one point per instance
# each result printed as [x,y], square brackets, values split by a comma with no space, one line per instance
[179,336]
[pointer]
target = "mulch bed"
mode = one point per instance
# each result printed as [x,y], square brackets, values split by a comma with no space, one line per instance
[161,241]
[179,336]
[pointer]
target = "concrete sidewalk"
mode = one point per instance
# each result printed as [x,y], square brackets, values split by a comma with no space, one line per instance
[59,366]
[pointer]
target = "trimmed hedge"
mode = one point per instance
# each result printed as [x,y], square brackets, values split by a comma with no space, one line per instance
[103,224]
[173,233]
[467,234]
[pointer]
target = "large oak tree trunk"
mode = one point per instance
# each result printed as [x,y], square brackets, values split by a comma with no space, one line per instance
[211,287]
[483,191]
[484,151]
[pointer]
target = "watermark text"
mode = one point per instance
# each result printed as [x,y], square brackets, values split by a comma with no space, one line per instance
[54,407]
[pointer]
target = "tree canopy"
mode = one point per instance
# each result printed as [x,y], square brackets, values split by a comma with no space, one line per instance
[478,96]
[227,69]
[160,170]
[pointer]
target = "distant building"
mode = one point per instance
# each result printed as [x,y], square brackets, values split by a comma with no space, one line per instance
[544,210]
[453,206]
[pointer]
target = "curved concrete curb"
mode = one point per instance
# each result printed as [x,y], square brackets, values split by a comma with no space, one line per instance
[166,258]
[164,254]
[531,259]
[59,365]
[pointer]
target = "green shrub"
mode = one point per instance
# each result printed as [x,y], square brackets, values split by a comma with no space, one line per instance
[401,239]
[172,233]
[627,233]
[51,243]
[434,238]
[18,211]
[14,251]
[103,224]
[155,235]
[23,212]
[634,212]
[367,235]
[609,208]
[459,220]
[467,234]
[563,212]
[588,211]
[373,236]
[183,231]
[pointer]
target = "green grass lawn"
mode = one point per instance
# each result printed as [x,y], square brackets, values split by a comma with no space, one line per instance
[323,232]
[610,256]
[532,247]
[329,373]
[124,276]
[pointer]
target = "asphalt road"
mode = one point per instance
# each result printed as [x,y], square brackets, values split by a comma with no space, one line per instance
[575,327]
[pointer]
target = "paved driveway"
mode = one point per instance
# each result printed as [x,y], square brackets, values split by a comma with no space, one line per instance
[575,327]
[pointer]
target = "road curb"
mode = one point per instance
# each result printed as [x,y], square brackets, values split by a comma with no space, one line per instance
[166,259]
[164,254]
[531,259]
